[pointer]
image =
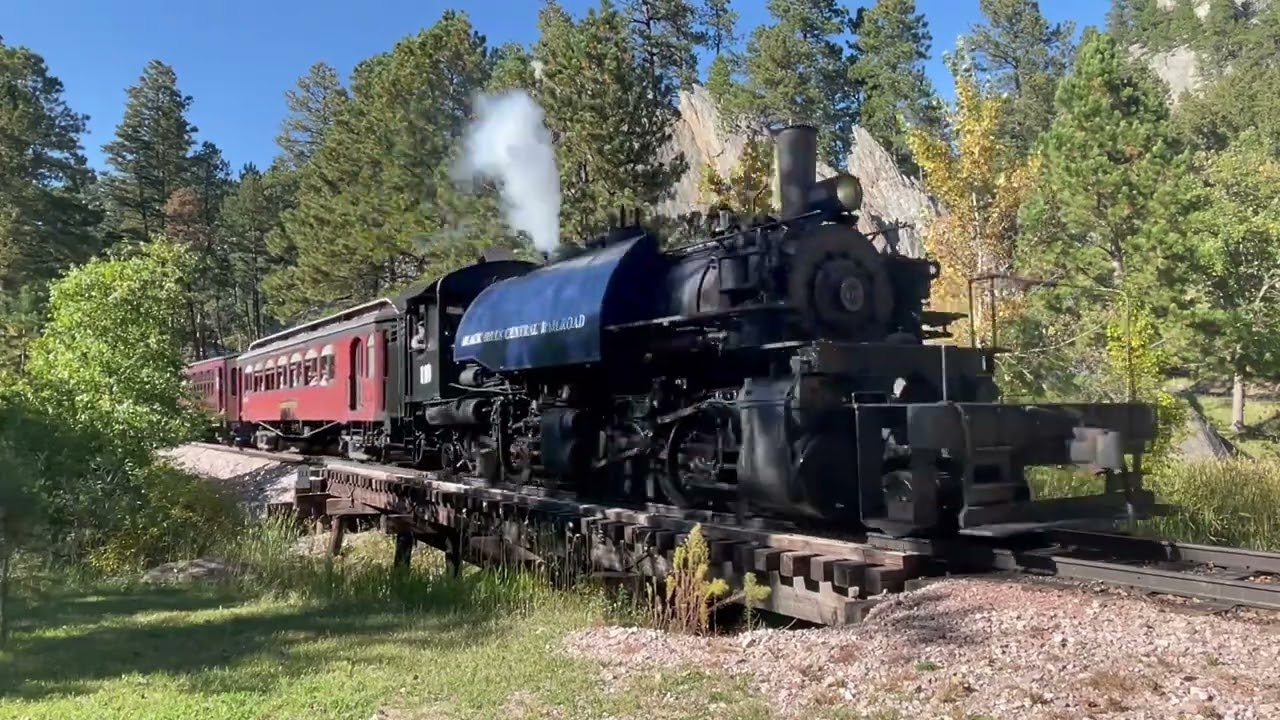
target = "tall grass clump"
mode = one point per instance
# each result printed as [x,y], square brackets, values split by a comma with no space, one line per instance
[277,558]
[1233,502]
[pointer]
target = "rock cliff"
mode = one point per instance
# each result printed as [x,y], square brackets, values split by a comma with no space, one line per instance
[890,199]
[1179,67]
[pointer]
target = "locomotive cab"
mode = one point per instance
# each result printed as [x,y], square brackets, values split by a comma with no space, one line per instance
[431,384]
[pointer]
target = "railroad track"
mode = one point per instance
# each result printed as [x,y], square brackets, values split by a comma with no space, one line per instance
[813,576]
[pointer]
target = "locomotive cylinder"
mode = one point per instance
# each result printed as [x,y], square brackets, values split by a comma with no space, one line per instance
[795,162]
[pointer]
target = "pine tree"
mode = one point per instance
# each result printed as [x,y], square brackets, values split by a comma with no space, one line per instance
[210,179]
[375,185]
[1115,186]
[1246,99]
[666,33]
[1022,55]
[1133,22]
[512,67]
[150,153]
[894,93]
[1183,23]
[722,83]
[1224,32]
[796,70]
[719,23]
[46,221]
[611,131]
[313,108]
[250,213]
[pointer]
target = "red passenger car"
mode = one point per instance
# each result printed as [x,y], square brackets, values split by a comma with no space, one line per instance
[215,384]
[307,386]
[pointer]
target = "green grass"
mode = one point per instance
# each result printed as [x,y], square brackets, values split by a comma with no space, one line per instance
[331,641]
[1261,437]
[1234,502]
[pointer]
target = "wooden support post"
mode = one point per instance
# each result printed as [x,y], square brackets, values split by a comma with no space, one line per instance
[404,548]
[337,529]
[453,553]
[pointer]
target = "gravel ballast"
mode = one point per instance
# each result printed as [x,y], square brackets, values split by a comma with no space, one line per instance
[256,481]
[971,648]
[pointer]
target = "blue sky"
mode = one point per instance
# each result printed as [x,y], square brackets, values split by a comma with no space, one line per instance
[237,57]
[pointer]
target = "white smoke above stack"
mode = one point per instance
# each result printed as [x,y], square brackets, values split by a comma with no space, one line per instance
[508,142]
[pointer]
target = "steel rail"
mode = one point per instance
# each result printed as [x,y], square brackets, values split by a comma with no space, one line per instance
[1131,546]
[1171,582]
[283,457]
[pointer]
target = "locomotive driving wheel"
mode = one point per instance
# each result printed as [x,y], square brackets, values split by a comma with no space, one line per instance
[700,455]
[839,284]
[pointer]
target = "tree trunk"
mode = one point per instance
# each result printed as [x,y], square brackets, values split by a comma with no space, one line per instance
[6,552]
[1237,403]
[4,598]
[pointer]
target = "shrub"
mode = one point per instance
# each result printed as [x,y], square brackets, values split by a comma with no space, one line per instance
[691,597]
[171,515]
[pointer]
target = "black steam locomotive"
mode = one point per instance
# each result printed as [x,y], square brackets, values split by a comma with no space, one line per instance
[779,368]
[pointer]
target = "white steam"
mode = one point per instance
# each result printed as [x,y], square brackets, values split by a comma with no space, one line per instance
[508,142]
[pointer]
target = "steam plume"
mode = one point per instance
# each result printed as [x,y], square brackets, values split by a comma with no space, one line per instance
[508,142]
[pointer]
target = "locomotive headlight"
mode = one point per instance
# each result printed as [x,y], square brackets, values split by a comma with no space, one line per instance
[842,193]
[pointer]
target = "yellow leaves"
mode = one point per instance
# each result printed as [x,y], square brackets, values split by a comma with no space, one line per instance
[740,192]
[1136,361]
[981,183]
[689,594]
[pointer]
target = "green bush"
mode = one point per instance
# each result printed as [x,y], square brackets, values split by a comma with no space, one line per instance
[174,516]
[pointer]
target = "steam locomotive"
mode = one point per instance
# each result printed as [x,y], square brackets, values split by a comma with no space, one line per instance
[780,367]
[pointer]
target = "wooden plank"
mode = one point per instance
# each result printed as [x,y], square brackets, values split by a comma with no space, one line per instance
[815,607]
[337,530]
[795,564]
[849,573]
[822,567]
[883,579]
[721,550]
[766,559]
[344,506]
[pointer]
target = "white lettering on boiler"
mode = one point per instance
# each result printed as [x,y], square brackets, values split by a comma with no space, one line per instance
[544,327]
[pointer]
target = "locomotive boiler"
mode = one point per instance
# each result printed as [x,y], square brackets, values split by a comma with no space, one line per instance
[781,366]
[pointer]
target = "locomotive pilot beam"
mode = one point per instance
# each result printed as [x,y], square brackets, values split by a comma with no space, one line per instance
[778,368]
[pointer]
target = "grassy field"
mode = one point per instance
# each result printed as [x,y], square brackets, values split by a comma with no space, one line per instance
[356,641]
[147,653]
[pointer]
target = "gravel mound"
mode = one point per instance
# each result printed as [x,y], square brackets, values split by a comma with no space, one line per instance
[256,481]
[972,647]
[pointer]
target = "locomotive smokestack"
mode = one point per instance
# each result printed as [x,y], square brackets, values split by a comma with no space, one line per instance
[795,161]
